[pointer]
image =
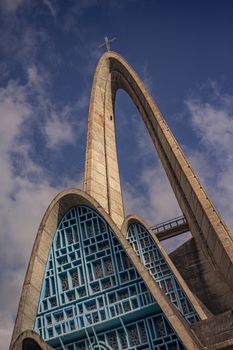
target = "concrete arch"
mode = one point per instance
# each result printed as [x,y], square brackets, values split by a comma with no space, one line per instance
[102,180]
[195,302]
[34,277]
[30,340]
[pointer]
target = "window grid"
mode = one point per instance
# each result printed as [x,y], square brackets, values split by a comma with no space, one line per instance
[147,334]
[89,279]
[149,253]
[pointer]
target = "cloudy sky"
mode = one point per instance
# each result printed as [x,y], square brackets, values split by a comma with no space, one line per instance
[49,49]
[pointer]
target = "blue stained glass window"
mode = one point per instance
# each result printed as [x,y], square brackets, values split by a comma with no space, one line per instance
[92,296]
[150,255]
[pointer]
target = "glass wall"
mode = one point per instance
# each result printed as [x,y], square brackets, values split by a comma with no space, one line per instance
[92,296]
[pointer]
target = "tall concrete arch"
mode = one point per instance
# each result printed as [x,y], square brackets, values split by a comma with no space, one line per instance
[102,180]
[103,194]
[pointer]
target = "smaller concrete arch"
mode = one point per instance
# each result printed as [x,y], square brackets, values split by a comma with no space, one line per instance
[132,218]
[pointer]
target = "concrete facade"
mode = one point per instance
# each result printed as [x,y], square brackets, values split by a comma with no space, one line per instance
[197,270]
[203,266]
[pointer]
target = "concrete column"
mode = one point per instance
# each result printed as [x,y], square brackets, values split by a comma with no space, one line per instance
[102,179]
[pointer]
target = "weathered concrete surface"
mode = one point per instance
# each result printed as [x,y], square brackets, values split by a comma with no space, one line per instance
[202,278]
[33,281]
[101,179]
[101,169]
[216,332]
[30,340]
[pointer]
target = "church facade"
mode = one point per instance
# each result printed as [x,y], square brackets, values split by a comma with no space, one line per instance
[99,280]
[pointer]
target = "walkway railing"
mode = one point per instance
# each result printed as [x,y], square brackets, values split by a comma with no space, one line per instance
[170,228]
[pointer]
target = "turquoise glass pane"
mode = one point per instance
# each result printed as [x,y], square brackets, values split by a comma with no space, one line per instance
[150,255]
[92,296]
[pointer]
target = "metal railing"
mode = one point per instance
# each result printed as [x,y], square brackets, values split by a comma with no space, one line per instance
[171,228]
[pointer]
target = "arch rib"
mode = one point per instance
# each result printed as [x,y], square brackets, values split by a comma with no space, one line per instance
[102,180]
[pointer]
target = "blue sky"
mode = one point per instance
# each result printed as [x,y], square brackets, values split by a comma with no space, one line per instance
[49,49]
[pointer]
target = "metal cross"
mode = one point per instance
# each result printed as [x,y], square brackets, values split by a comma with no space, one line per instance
[107,43]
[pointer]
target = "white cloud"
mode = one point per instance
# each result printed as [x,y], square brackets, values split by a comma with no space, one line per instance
[21,204]
[58,131]
[22,199]
[157,203]
[14,110]
[147,77]
[213,124]
[11,6]
[35,79]
[151,196]
[66,126]
[51,8]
